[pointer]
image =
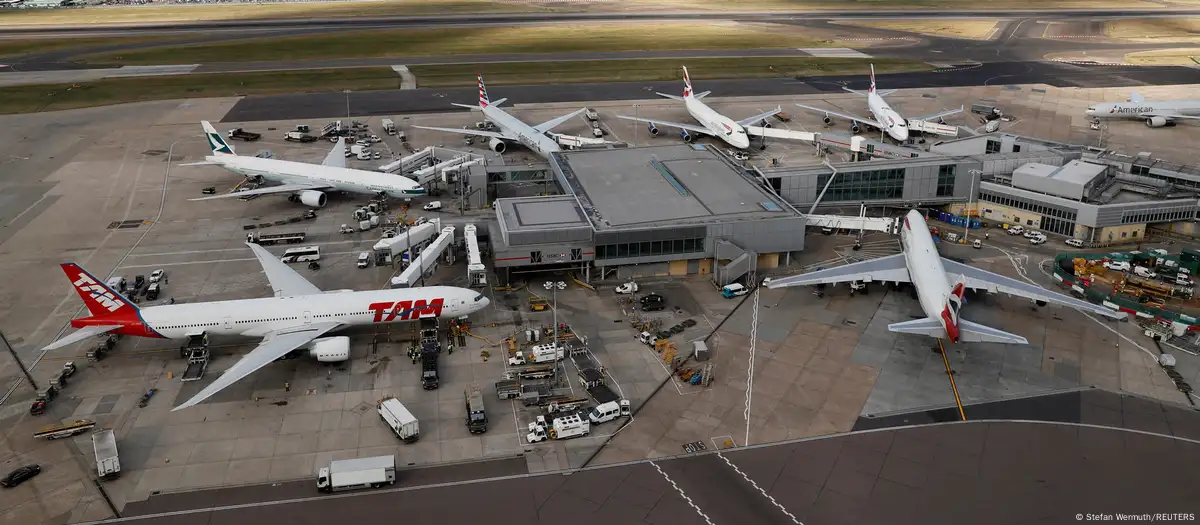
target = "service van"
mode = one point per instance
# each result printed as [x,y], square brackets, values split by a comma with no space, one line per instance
[609,411]
[364,259]
[1117,266]
[117,283]
[1016,230]
[733,290]
[1142,271]
[1077,243]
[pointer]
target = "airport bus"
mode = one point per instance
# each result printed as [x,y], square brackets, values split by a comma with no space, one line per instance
[302,254]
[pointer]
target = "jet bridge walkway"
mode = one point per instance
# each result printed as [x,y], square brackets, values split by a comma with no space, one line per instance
[389,248]
[476,271]
[424,262]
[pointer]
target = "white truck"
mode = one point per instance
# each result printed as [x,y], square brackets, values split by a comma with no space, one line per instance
[591,115]
[564,427]
[397,416]
[389,126]
[546,353]
[605,412]
[108,465]
[349,474]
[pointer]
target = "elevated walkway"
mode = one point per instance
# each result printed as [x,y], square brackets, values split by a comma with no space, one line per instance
[388,248]
[425,261]
[409,163]
[843,222]
[436,172]
[476,271]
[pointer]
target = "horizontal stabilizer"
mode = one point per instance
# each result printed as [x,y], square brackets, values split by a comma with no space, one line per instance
[80,335]
[201,163]
[926,326]
[969,332]
[672,97]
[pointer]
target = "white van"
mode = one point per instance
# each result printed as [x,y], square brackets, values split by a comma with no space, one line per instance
[364,259]
[1142,271]
[1016,230]
[609,411]
[117,283]
[733,290]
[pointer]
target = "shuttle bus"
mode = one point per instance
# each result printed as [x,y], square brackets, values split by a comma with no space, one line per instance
[303,254]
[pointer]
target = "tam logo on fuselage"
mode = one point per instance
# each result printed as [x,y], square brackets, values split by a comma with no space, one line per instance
[99,293]
[387,312]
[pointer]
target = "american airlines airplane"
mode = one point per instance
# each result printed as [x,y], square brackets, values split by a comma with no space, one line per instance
[712,123]
[512,129]
[886,119]
[305,183]
[931,275]
[295,320]
[1156,113]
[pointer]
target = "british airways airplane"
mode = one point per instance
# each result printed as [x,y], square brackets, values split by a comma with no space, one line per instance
[296,319]
[886,119]
[931,275]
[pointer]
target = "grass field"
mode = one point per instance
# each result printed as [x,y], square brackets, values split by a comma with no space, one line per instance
[1165,57]
[968,29]
[17,47]
[499,73]
[29,99]
[197,13]
[475,40]
[1155,30]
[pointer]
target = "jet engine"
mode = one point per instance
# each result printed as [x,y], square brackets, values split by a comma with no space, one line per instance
[854,128]
[828,121]
[313,198]
[497,145]
[1157,122]
[1040,303]
[653,129]
[329,349]
[687,137]
[765,124]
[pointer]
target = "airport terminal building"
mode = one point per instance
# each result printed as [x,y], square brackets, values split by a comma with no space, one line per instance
[639,212]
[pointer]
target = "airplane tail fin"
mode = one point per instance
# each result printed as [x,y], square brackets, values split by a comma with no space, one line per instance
[216,141]
[687,84]
[483,96]
[1135,97]
[97,296]
[872,88]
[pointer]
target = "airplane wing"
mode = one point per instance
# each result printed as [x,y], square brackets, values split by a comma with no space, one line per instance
[689,127]
[883,269]
[868,121]
[80,335]
[757,118]
[284,280]
[1169,115]
[776,133]
[984,280]
[282,188]
[277,344]
[337,156]
[554,122]
[940,115]
[469,132]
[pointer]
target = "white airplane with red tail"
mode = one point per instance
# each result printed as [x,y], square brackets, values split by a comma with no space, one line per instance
[931,275]
[296,319]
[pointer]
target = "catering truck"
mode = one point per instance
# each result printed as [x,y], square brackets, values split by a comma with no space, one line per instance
[104,443]
[402,422]
[362,473]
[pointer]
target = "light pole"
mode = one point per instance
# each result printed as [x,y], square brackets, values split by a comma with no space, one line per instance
[636,125]
[553,287]
[967,228]
[347,92]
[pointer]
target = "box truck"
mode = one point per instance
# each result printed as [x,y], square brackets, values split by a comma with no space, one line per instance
[402,422]
[104,444]
[349,474]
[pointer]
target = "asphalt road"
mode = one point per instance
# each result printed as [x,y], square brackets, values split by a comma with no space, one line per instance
[332,105]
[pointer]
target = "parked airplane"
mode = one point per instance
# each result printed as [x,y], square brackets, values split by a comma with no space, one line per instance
[886,119]
[305,183]
[512,129]
[931,275]
[1156,113]
[295,320]
[711,123]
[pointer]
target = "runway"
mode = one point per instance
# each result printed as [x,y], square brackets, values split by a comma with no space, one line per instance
[392,102]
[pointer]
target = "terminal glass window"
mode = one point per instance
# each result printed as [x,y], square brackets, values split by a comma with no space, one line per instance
[993,146]
[649,248]
[945,183]
[864,185]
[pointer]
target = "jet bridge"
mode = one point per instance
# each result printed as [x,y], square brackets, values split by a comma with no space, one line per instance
[389,248]
[431,174]
[843,222]
[409,163]
[476,271]
[427,260]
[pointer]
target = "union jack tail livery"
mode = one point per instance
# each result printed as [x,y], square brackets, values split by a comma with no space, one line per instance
[483,96]
[687,84]
[872,88]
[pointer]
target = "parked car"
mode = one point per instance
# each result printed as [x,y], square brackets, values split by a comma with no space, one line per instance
[20,475]
[629,287]
[1015,230]
[1118,266]
[157,275]
[1142,271]
[1029,234]
[1078,243]
[1037,240]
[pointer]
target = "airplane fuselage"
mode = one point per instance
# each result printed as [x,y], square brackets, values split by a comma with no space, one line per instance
[926,271]
[340,179]
[527,136]
[719,125]
[897,126]
[258,317]
[1137,110]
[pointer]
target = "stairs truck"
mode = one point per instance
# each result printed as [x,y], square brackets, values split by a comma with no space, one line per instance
[242,134]
[477,421]
[362,473]
[401,421]
[564,427]
[104,444]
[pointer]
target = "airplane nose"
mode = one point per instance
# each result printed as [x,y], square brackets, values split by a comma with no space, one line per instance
[902,135]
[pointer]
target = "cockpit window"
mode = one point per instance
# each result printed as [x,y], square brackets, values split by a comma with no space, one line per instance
[741,132]
[900,124]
